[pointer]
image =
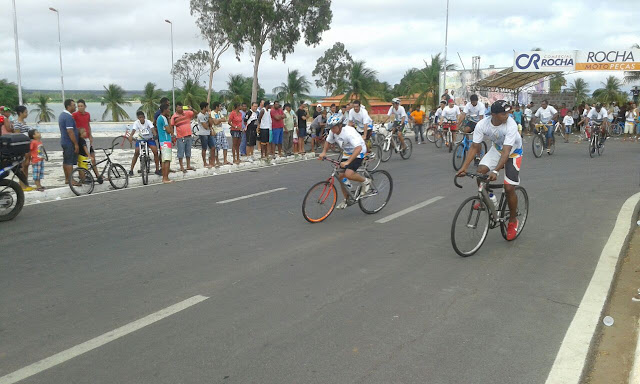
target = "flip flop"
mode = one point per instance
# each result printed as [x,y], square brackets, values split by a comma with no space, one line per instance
[167,181]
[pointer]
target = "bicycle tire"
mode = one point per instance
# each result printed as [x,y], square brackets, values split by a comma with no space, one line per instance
[378,197]
[46,156]
[537,146]
[482,211]
[406,153]
[439,141]
[431,135]
[375,157]
[19,200]
[122,142]
[522,214]
[600,149]
[386,155]
[552,146]
[144,170]
[331,198]
[118,176]
[592,147]
[461,154]
[84,178]
[197,143]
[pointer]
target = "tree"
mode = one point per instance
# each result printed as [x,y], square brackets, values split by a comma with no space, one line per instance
[360,84]
[216,38]
[296,88]
[8,93]
[556,82]
[581,89]
[193,94]
[150,99]
[113,99]
[332,67]
[191,66]
[42,110]
[385,91]
[239,90]
[629,76]
[273,26]
[425,82]
[610,91]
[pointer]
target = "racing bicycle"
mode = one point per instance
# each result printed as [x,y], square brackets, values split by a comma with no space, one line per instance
[82,182]
[320,201]
[477,214]
[391,141]
[539,142]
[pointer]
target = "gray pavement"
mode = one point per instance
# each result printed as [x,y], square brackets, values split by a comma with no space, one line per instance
[344,301]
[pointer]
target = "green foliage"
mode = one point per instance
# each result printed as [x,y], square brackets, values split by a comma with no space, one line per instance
[150,99]
[425,82]
[8,94]
[42,109]
[556,82]
[629,76]
[297,88]
[581,89]
[332,67]
[239,90]
[191,67]
[610,91]
[192,94]
[113,99]
[361,83]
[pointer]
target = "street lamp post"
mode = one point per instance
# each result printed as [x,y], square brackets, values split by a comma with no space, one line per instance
[173,76]
[60,49]
[446,36]
[15,36]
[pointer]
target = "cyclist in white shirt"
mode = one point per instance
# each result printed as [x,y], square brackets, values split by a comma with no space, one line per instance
[473,112]
[545,115]
[449,119]
[353,151]
[358,118]
[506,152]
[528,115]
[400,118]
[599,116]
[143,130]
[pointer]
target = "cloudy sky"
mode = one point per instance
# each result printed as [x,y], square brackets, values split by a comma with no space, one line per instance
[127,42]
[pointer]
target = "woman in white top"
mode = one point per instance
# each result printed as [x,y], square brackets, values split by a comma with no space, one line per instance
[630,117]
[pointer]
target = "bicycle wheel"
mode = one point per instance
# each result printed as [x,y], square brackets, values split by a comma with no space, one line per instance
[600,148]
[521,214]
[458,156]
[319,202]
[380,193]
[470,226]
[375,156]
[121,142]
[408,148]
[386,154]
[11,199]
[552,146]
[81,182]
[144,170]
[431,135]
[439,140]
[537,145]
[449,141]
[118,177]
[197,143]
[592,147]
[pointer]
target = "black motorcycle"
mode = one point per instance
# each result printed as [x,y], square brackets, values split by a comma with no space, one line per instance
[13,147]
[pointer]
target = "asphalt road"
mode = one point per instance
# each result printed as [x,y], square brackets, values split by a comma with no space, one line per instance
[345,301]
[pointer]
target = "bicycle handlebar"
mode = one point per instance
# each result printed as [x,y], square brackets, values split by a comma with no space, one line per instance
[471,175]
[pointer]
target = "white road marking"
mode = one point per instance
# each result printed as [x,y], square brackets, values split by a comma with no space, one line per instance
[251,195]
[407,210]
[99,341]
[570,361]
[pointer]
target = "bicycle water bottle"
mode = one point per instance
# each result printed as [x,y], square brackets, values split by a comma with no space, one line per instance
[493,199]
[346,182]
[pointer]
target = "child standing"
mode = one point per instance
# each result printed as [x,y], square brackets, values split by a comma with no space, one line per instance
[37,161]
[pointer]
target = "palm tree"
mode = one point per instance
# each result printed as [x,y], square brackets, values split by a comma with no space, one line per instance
[610,92]
[556,82]
[297,87]
[580,88]
[42,109]
[150,99]
[237,89]
[113,98]
[632,77]
[425,81]
[192,94]
[361,84]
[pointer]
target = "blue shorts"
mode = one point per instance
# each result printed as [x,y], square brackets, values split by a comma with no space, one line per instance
[276,135]
[184,147]
[302,133]
[151,143]
[69,155]
[549,131]
[207,142]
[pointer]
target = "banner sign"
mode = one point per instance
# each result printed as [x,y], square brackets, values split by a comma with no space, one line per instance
[622,60]
[541,61]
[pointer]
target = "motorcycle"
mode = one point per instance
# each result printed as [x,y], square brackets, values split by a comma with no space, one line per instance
[12,150]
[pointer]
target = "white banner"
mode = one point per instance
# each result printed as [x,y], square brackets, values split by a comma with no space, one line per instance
[608,60]
[541,61]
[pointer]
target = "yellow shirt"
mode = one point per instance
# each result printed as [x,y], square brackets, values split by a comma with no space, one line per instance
[418,116]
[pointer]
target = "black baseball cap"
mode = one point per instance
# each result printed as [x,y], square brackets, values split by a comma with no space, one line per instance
[500,106]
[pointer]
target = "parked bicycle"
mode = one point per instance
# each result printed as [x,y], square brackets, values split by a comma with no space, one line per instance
[477,214]
[392,142]
[321,199]
[122,141]
[595,144]
[539,142]
[145,161]
[463,147]
[82,182]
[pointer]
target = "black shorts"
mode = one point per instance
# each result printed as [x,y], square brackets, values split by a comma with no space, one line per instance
[355,164]
[236,134]
[264,136]
[251,136]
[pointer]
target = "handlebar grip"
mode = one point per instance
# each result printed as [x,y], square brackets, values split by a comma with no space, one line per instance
[455,181]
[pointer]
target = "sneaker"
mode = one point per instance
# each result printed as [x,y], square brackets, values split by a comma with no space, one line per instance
[130,173]
[28,189]
[512,230]
[366,187]
[100,180]
[342,205]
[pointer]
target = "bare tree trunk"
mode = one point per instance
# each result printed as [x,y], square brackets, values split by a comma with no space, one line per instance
[256,64]
[211,70]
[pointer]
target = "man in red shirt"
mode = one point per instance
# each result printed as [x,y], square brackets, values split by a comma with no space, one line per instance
[83,120]
[277,128]
[181,120]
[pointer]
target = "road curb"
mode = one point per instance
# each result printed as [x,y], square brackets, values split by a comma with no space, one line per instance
[61,193]
[571,361]
[634,375]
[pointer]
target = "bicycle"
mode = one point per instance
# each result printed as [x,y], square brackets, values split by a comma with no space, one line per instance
[374,153]
[474,226]
[194,131]
[320,200]
[122,141]
[446,137]
[617,128]
[463,147]
[594,139]
[539,142]
[392,139]
[82,182]
[145,161]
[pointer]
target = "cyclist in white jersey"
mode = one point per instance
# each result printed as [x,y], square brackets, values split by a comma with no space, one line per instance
[506,152]
[358,118]
[449,117]
[599,115]
[400,118]
[545,115]
[474,112]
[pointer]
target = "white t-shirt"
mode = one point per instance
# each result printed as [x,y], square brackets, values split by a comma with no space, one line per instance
[348,140]
[359,119]
[568,120]
[398,114]
[143,131]
[545,114]
[505,134]
[597,116]
[265,122]
[586,111]
[528,113]
[203,118]
[439,112]
[476,113]
[451,113]
[616,110]
[631,115]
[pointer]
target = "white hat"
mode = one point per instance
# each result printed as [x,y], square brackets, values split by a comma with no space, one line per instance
[319,105]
